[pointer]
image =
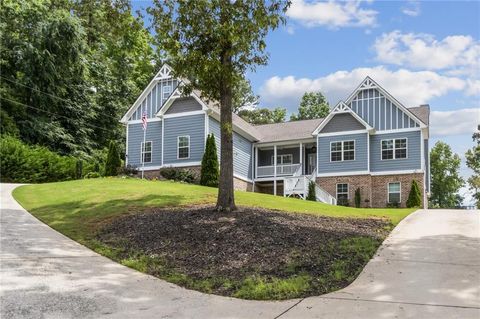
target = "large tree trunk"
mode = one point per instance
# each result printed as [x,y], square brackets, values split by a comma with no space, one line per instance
[226,200]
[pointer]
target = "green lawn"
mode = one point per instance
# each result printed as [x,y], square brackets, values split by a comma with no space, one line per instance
[79,208]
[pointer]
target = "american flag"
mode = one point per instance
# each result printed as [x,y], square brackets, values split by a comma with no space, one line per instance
[144,121]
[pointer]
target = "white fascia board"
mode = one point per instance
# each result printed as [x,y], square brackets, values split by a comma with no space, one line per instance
[339,174]
[343,133]
[410,171]
[286,142]
[401,130]
[183,114]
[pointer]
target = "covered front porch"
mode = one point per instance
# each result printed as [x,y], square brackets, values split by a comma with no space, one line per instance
[275,162]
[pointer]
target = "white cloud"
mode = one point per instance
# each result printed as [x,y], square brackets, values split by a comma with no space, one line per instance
[457,122]
[459,53]
[332,14]
[412,8]
[410,88]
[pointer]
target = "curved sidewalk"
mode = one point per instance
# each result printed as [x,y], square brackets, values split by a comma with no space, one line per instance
[428,268]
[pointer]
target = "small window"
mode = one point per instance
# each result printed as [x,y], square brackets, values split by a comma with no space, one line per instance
[342,192]
[342,151]
[146,149]
[394,193]
[183,150]
[394,149]
[167,89]
[284,159]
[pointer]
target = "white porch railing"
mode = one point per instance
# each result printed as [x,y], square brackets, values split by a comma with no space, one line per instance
[282,170]
[298,185]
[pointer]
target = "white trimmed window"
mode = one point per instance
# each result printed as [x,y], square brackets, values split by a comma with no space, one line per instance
[342,151]
[183,147]
[283,159]
[342,192]
[166,91]
[146,150]
[394,192]
[394,149]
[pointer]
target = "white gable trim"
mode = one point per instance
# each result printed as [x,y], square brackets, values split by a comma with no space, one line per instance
[341,108]
[165,72]
[369,83]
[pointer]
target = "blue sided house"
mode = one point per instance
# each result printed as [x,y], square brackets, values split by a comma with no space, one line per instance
[369,141]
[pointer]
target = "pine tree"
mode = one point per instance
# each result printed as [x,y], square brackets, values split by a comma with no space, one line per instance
[210,168]
[311,191]
[358,198]
[113,162]
[414,197]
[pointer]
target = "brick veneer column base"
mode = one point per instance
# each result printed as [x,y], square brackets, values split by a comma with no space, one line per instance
[373,188]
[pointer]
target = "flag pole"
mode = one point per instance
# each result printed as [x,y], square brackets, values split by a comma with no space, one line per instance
[143,150]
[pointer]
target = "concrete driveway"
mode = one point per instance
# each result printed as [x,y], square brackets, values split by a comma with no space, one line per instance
[428,268]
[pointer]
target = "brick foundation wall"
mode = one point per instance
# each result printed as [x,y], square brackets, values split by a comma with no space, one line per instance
[373,188]
[355,181]
[241,185]
[379,187]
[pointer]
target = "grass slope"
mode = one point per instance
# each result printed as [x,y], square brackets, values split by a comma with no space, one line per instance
[80,208]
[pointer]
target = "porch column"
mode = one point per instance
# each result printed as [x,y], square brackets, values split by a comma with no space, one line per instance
[256,161]
[301,158]
[275,170]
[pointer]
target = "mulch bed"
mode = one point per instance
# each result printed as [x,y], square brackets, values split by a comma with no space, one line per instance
[202,243]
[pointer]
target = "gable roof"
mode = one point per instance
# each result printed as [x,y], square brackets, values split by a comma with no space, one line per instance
[422,112]
[369,83]
[165,72]
[341,108]
[295,130]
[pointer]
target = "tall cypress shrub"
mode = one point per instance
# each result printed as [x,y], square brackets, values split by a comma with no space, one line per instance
[311,191]
[210,168]
[415,196]
[113,162]
[358,198]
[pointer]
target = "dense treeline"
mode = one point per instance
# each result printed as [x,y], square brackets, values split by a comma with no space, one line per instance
[69,70]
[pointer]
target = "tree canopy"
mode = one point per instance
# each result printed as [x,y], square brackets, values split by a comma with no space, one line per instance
[260,116]
[472,157]
[213,44]
[445,177]
[70,69]
[313,105]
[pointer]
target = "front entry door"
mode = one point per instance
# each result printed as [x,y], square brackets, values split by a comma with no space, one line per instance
[311,163]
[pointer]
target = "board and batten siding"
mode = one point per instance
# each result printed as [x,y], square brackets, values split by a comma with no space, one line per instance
[135,138]
[154,100]
[414,153]
[242,150]
[341,122]
[180,105]
[379,112]
[325,166]
[191,125]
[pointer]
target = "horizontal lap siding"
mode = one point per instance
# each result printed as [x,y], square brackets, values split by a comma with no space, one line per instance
[342,122]
[413,160]
[184,105]
[242,150]
[361,156]
[135,138]
[193,126]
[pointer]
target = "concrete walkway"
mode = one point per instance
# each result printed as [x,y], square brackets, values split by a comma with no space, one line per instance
[428,268]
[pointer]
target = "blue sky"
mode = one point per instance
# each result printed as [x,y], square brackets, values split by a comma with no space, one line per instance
[421,52]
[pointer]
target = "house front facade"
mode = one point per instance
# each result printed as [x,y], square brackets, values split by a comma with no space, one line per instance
[369,142]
